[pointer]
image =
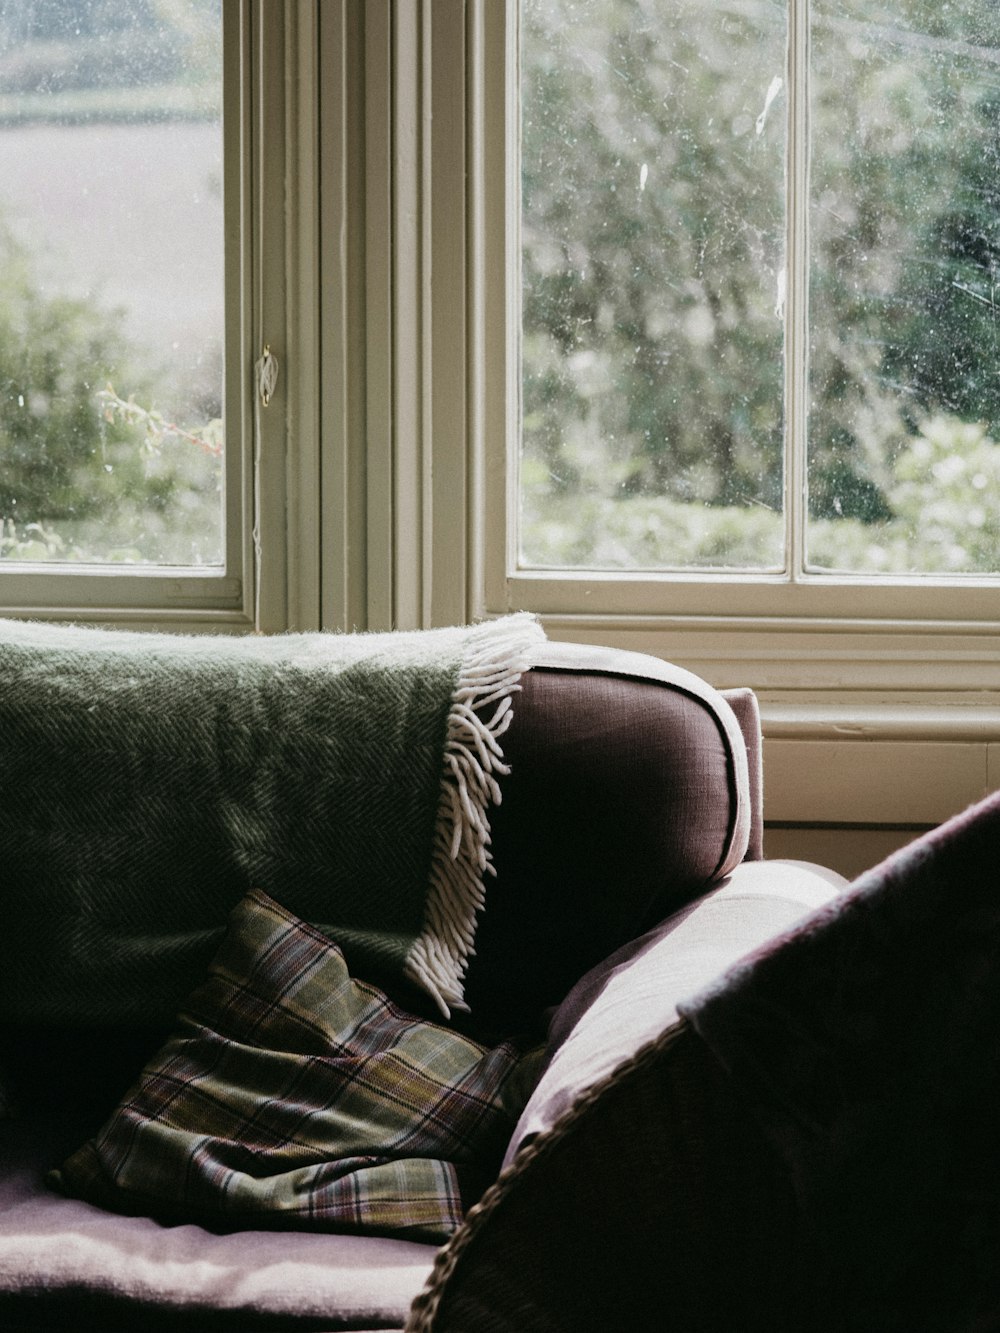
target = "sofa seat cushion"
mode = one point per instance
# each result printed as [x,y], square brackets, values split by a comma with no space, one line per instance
[69,1264]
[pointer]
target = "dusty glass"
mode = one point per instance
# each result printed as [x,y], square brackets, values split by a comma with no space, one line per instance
[111,282]
[904,451]
[653,141]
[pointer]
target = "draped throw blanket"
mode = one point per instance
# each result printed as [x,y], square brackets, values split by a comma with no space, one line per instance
[148,780]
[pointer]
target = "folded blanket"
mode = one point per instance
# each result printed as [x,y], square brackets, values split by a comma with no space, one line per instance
[867,1043]
[148,781]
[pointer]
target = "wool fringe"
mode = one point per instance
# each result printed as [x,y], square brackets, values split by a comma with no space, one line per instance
[497,655]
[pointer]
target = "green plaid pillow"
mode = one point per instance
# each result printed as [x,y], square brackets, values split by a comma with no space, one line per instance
[291,1095]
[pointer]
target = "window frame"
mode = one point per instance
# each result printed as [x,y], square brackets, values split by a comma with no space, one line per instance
[185,597]
[372,242]
[858,640]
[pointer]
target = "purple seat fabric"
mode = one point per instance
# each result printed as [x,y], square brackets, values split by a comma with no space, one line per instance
[70,1265]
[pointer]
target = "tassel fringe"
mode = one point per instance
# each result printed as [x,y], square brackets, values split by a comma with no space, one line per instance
[497,655]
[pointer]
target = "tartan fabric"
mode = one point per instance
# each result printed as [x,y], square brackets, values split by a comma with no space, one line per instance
[291,1095]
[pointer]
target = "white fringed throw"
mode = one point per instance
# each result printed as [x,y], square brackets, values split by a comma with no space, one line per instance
[148,781]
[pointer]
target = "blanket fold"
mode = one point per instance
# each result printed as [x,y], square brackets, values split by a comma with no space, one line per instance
[147,781]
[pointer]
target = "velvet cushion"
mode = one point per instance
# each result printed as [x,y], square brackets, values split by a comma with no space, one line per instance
[291,1095]
[623,802]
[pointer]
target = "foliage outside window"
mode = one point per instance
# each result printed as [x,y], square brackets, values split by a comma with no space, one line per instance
[654,251]
[111,283]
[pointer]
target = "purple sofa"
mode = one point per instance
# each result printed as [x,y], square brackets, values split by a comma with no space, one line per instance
[629,876]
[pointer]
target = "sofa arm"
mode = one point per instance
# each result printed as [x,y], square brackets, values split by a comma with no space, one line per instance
[654,1204]
[629,793]
[633,996]
[637,1192]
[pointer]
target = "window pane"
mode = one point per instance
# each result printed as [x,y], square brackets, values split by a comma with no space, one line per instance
[652,248]
[111,281]
[904,458]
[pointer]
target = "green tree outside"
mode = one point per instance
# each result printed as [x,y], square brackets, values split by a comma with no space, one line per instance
[653,251]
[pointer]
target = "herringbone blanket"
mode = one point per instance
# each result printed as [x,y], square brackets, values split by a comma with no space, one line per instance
[148,781]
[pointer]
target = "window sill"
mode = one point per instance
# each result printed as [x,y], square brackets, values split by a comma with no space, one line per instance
[962,719]
[895,670]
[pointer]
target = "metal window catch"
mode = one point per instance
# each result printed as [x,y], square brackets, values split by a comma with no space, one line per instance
[267,374]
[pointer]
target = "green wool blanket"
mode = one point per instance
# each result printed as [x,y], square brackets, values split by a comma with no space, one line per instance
[147,781]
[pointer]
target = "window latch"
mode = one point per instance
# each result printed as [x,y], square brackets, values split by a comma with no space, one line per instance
[267,375]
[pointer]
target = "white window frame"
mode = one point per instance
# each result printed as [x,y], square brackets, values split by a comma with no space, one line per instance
[860,643]
[373,156]
[186,598]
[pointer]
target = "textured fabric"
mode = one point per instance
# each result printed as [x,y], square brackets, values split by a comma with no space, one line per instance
[866,1043]
[656,1204]
[633,995]
[150,780]
[619,809]
[8,1101]
[746,710]
[67,1265]
[291,1095]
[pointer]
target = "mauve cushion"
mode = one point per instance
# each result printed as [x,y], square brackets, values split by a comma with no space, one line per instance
[619,808]
[632,996]
[68,1264]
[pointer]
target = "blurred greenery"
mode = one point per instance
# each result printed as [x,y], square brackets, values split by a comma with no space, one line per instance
[75,477]
[944,520]
[86,475]
[653,256]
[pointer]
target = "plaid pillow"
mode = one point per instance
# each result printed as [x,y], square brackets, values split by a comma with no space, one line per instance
[291,1095]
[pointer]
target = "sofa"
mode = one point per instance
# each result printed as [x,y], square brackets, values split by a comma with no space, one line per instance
[634,1174]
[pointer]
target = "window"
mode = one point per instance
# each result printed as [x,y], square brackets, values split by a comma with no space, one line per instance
[652,244]
[123,480]
[754,430]
[111,162]
[656,249]
[371,171]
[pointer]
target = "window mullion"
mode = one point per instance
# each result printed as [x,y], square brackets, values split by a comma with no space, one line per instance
[797,284]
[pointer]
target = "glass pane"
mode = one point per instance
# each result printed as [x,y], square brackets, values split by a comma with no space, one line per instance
[904,459]
[652,249]
[111,282]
